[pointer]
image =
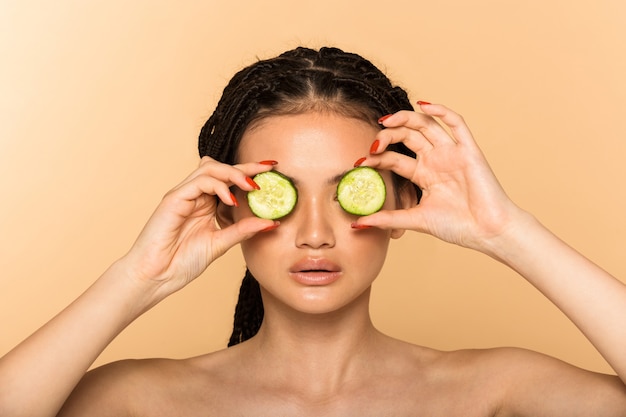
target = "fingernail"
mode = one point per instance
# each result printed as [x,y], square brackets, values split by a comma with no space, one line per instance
[423,103]
[382,119]
[359,226]
[272,227]
[268,162]
[359,161]
[252,183]
[374,146]
[234,200]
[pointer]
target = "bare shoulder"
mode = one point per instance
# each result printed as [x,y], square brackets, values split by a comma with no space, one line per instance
[112,389]
[135,387]
[531,383]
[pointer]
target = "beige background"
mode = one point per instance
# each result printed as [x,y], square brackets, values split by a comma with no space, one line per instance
[101,103]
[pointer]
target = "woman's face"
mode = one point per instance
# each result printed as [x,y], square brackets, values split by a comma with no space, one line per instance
[314,261]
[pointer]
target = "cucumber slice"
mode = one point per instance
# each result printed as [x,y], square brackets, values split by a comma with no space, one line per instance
[361,191]
[276,198]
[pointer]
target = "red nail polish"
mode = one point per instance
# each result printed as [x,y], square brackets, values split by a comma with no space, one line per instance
[382,119]
[252,183]
[272,227]
[234,200]
[359,161]
[423,103]
[374,146]
[359,226]
[269,162]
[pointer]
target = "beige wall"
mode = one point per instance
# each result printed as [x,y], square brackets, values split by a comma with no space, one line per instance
[101,103]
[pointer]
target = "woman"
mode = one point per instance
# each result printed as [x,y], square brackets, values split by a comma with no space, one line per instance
[303,343]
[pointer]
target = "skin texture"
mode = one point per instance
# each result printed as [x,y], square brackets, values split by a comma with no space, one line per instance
[317,352]
[314,155]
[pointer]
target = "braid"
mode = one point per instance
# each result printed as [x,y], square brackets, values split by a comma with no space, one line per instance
[249,310]
[295,82]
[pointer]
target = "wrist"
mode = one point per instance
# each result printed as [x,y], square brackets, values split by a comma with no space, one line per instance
[130,287]
[510,241]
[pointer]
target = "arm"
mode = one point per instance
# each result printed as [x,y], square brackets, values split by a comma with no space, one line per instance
[463,203]
[538,385]
[179,241]
[590,297]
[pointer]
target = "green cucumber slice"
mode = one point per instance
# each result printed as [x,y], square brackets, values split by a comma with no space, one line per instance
[361,191]
[276,198]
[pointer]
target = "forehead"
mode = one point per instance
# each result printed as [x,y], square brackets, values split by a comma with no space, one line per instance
[309,140]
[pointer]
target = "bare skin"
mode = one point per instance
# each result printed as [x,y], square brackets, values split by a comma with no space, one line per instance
[317,352]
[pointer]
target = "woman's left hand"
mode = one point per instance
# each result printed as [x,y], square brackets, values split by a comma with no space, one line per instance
[462,201]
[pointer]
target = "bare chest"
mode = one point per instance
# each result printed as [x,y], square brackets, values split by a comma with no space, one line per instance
[372,399]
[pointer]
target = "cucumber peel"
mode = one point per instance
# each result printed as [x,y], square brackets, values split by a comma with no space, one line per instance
[361,191]
[276,198]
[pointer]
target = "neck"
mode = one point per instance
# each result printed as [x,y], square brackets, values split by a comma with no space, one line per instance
[323,350]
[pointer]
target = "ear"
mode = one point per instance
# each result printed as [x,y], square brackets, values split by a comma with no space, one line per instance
[406,198]
[224,215]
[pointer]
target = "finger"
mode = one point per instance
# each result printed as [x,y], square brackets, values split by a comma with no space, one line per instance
[424,123]
[250,168]
[241,230]
[454,121]
[403,165]
[239,175]
[405,219]
[413,139]
[231,174]
[201,185]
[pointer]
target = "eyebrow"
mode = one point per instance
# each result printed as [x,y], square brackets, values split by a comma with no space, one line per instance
[335,180]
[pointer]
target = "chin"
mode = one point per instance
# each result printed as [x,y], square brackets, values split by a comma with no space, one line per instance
[320,301]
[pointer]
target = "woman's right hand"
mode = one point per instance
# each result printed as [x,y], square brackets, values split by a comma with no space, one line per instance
[182,237]
[179,241]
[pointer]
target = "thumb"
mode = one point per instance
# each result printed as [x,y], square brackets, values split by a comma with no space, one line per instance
[239,231]
[403,219]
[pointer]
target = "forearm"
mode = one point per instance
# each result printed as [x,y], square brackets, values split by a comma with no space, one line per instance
[39,374]
[593,299]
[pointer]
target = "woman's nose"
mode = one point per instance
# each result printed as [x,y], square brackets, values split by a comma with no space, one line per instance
[314,224]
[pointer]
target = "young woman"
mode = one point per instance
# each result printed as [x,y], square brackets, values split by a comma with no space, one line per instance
[303,343]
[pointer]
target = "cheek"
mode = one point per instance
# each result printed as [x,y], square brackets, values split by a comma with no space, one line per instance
[262,247]
[368,246]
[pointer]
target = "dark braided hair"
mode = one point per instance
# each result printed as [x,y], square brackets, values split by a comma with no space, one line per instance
[295,82]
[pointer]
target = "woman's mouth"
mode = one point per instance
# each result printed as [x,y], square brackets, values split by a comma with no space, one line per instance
[315,271]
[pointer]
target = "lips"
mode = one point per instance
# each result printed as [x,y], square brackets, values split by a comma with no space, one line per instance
[315,271]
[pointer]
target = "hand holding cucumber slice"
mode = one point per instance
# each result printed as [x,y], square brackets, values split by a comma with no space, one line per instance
[276,197]
[361,191]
